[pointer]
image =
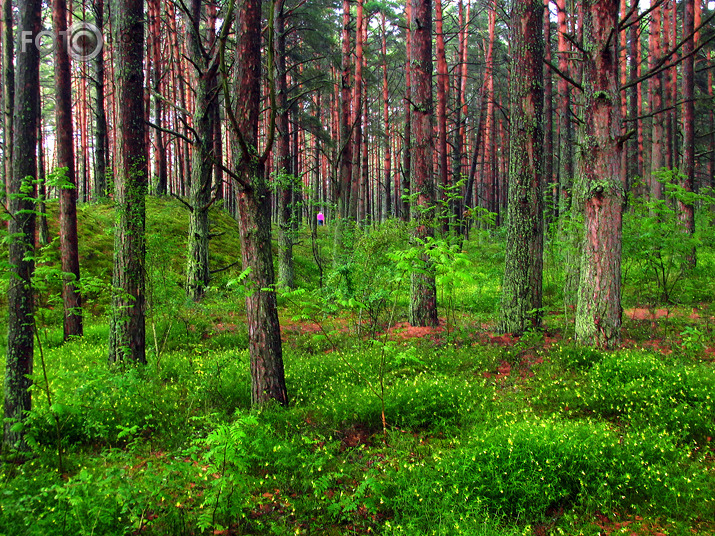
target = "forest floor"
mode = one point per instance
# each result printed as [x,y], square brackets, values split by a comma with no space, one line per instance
[391,429]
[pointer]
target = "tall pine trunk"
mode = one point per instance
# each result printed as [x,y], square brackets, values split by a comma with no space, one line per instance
[8,93]
[204,79]
[283,161]
[69,248]
[127,325]
[523,264]
[687,210]
[100,117]
[598,314]
[423,295]
[20,324]
[254,215]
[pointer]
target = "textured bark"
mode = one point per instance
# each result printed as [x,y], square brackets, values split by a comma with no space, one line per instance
[523,263]
[69,249]
[598,314]
[157,66]
[488,164]
[687,210]
[126,331]
[357,125]
[460,112]
[634,158]
[442,86]
[387,184]
[253,199]
[20,325]
[346,148]
[402,201]
[204,81]
[8,93]
[565,130]
[551,187]
[655,90]
[283,160]
[423,296]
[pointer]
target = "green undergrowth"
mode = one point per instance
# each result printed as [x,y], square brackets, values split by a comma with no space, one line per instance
[449,433]
[173,448]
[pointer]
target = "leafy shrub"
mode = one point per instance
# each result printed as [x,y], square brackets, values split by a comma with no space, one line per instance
[528,467]
[650,391]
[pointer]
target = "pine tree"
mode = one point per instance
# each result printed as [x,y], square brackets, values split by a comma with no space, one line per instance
[127,326]
[523,265]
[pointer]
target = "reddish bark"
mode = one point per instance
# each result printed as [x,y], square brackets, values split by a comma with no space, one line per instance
[387,185]
[687,210]
[598,314]
[69,251]
[564,127]
[488,178]
[655,91]
[405,187]
[346,150]
[253,200]
[550,180]
[442,85]
[423,296]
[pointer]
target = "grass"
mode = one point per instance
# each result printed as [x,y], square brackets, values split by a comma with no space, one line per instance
[485,435]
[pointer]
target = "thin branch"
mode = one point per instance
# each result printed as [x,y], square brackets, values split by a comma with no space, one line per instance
[191,209]
[224,268]
[564,75]
[622,26]
[660,66]
[169,131]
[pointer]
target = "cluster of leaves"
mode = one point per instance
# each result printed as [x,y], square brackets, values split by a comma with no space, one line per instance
[658,252]
[525,468]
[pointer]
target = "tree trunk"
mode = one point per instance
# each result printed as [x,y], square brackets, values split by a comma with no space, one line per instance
[550,185]
[100,132]
[205,84]
[488,178]
[565,129]
[157,64]
[655,90]
[126,330]
[598,314]
[460,114]
[442,85]
[523,264]
[69,249]
[423,296]
[687,210]
[253,199]
[20,324]
[346,148]
[402,200]
[43,232]
[8,95]
[283,163]
[387,185]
